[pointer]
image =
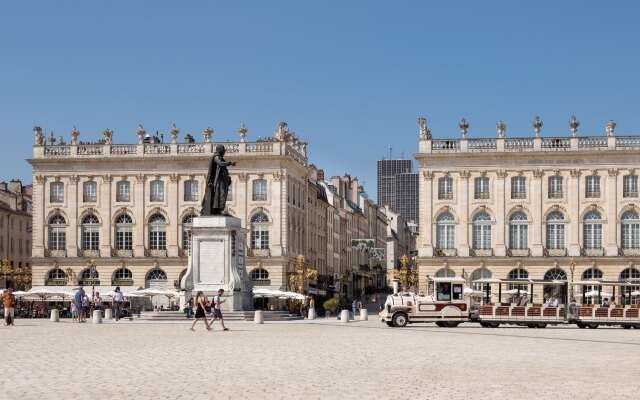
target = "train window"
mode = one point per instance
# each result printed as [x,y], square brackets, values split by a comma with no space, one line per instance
[457,292]
[443,291]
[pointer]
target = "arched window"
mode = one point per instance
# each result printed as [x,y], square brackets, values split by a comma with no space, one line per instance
[260,231]
[445,231]
[124,232]
[90,233]
[517,274]
[555,230]
[445,273]
[156,192]
[89,277]
[481,273]
[518,231]
[630,230]
[557,291]
[156,274]
[259,190]
[259,274]
[186,231]
[592,230]
[122,276]
[56,277]
[57,233]
[555,274]
[481,231]
[157,232]
[630,274]
[589,275]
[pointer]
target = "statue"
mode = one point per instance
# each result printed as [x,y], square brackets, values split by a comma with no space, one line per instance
[218,181]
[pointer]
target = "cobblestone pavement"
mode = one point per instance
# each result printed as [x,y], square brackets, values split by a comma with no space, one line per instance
[320,359]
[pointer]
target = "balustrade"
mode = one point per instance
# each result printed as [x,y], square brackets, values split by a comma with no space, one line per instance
[90,149]
[593,142]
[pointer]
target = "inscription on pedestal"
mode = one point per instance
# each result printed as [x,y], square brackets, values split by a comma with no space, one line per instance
[212,261]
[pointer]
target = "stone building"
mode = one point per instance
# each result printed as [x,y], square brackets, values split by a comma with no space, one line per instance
[535,207]
[15,232]
[126,209]
[401,241]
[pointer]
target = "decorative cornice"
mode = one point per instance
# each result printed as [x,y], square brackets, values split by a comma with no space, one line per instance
[173,177]
[464,174]
[243,177]
[538,173]
[427,175]
[612,171]
[575,173]
[277,176]
[502,173]
[40,179]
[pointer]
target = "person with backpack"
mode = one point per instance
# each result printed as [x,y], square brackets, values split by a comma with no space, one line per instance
[9,301]
[216,309]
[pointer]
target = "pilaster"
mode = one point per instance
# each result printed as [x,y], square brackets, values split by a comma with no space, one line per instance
[426,212]
[173,194]
[611,236]
[500,248]
[72,229]
[536,225]
[139,215]
[574,194]
[463,214]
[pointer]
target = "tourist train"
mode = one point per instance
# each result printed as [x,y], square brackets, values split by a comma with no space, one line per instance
[448,303]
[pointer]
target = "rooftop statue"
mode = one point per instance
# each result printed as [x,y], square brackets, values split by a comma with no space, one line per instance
[218,181]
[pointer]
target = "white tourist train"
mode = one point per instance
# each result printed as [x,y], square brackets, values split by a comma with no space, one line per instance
[448,303]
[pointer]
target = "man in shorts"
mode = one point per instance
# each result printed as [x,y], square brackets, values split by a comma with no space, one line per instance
[8,301]
[216,308]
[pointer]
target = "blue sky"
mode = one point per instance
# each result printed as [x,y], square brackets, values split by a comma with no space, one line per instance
[349,76]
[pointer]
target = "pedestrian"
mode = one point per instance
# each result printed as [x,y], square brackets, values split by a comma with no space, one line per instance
[354,306]
[74,311]
[79,296]
[201,303]
[86,305]
[188,308]
[216,309]
[97,301]
[116,302]
[8,301]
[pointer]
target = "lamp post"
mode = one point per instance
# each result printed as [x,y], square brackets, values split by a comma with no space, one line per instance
[572,268]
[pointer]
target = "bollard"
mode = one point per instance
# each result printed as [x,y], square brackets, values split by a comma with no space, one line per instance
[364,314]
[55,315]
[108,314]
[344,316]
[312,313]
[97,317]
[258,317]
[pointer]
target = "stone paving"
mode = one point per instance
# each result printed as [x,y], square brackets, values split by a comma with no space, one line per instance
[319,359]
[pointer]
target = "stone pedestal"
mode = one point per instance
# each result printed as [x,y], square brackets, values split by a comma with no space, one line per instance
[55,315]
[217,261]
[97,317]
[344,316]
[364,314]
[312,313]
[258,317]
[108,314]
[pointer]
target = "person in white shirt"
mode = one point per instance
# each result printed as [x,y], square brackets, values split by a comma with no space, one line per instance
[216,309]
[118,299]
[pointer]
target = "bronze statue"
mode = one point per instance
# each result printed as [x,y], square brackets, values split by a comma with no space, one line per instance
[218,181]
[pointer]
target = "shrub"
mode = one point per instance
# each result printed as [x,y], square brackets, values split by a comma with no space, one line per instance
[331,305]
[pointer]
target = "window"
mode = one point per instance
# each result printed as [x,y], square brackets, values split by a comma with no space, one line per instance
[557,291]
[481,231]
[156,274]
[592,230]
[191,190]
[443,291]
[259,190]
[481,186]
[445,273]
[630,274]
[90,192]
[157,232]
[90,233]
[518,190]
[157,191]
[630,186]
[122,276]
[517,274]
[518,231]
[89,277]
[630,226]
[57,233]
[589,275]
[123,191]
[592,186]
[56,194]
[259,274]
[56,277]
[124,232]
[555,230]
[555,187]
[186,231]
[445,188]
[259,231]
[445,231]
[481,273]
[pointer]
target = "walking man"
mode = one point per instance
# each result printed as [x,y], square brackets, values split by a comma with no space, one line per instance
[8,300]
[216,309]
[79,297]
[118,299]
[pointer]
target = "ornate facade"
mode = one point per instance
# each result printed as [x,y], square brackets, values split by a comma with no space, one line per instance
[15,234]
[126,209]
[529,207]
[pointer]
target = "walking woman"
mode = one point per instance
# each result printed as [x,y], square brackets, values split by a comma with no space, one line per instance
[201,302]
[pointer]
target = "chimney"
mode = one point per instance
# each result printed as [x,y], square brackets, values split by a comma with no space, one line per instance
[354,190]
[320,175]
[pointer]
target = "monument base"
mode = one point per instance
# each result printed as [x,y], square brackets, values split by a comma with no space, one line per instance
[217,261]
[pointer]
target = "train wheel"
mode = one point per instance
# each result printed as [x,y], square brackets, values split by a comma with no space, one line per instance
[636,326]
[592,326]
[389,323]
[626,326]
[400,320]
[531,325]
[452,324]
[494,325]
[541,326]
[440,324]
[580,325]
[484,324]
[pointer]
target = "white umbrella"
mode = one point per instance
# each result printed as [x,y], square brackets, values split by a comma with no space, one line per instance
[594,293]
[471,292]
[635,293]
[515,291]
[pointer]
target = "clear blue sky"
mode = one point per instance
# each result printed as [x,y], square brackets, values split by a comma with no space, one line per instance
[349,76]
